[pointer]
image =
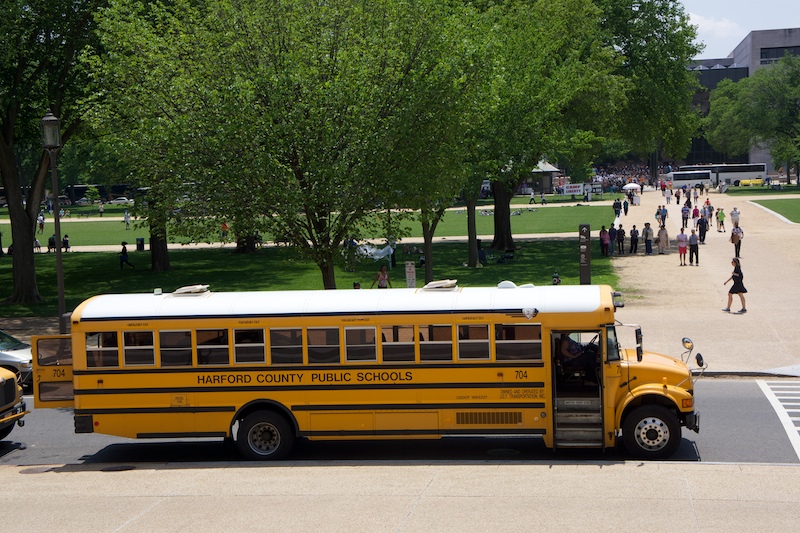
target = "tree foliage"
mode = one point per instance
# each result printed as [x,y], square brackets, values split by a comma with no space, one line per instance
[760,111]
[40,41]
[295,116]
[552,90]
[656,43]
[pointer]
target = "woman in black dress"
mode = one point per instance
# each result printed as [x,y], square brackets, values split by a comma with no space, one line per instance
[738,286]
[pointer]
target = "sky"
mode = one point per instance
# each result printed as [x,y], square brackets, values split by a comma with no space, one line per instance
[722,24]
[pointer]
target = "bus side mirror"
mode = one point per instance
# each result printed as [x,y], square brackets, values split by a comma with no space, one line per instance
[639,352]
[699,360]
[639,336]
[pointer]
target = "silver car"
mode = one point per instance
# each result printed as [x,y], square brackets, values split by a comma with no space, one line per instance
[15,355]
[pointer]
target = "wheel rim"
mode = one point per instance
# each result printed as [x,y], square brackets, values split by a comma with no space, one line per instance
[264,438]
[652,433]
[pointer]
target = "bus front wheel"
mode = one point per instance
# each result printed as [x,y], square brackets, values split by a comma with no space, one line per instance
[651,432]
[265,436]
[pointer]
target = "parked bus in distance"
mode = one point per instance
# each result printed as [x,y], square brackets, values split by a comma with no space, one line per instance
[733,174]
[264,368]
[690,178]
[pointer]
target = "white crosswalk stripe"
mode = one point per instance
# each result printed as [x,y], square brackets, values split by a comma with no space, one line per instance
[785,399]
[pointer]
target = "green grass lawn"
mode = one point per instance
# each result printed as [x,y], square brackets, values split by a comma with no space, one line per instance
[789,207]
[88,274]
[742,191]
[527,219]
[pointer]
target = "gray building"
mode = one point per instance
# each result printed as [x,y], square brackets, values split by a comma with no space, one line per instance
[759,49]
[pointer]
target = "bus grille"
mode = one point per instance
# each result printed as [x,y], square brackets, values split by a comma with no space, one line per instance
[490,418]
[9,394]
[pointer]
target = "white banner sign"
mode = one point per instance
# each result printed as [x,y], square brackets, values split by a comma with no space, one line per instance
[573,188]
[411,274]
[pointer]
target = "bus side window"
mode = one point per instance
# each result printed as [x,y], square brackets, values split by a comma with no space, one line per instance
[323,345]
[360,344]
[286,346]
[437,343]
[102,349]
[212,347]
[398,343]
[175,348]
[248,346]
[138,348]
[473,341]
[515,342]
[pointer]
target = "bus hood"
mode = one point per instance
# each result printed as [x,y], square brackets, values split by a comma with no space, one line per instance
[654,367]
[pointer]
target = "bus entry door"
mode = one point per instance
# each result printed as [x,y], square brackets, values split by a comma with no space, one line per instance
[52,371]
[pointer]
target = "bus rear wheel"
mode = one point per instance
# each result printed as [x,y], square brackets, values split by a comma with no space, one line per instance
[651,432]
[265,436]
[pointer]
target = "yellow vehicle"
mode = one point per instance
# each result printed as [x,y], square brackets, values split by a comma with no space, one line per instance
[12,407]
[751,183]
[263,368]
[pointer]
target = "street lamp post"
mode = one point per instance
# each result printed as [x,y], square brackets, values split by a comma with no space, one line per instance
[51,140]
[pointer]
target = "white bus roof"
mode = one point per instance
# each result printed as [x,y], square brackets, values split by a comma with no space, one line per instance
[544,299]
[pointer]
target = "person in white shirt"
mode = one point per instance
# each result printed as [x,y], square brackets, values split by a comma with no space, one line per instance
[734,216]
[682,240]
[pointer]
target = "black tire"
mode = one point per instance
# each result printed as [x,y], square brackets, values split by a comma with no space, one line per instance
[651,432]
[6,431]
[265,436]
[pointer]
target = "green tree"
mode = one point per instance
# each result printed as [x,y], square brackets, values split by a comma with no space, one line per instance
[40,41]
[299,116]
[725,127]
[552,82]
[656,42]
[760,111]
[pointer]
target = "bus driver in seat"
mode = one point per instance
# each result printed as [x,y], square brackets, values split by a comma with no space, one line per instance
[576,357]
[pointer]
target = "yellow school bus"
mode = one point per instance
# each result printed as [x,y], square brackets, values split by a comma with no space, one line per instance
[264,368]
[12,407]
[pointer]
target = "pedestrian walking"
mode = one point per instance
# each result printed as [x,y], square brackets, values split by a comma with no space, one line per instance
[625,207]
[737,234]
[533,198]
[127,218]
[662,240]
[734,215]
[123,256]
[604,240]
[737,288]
[682,240]
[702,229]
[694,249]
[647,235]
[382,279]
[684,216]
[720,220]
[634,236]
[621,240]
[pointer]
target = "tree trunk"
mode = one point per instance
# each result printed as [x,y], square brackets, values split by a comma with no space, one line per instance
[159,254]
[325,264]
[472,232]
[427,246]
[23,223]
[503,239]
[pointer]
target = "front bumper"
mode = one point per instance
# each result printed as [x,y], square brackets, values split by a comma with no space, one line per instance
[13,414]
[692,421]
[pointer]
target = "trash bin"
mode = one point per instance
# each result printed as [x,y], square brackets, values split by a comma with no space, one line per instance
[140,244]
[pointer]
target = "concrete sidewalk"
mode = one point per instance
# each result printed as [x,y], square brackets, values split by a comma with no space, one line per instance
[393,496]
[672,301]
